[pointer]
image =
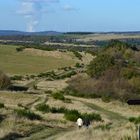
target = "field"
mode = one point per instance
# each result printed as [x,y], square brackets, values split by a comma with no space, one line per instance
[104,37]
[14,62]
[46,110]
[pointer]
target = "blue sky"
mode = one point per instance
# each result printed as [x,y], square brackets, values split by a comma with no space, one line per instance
[70,15]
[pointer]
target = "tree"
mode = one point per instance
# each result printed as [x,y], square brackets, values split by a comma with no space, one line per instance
[98,65]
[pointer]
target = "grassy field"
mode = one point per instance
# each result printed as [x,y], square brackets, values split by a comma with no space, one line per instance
[14,62]
[100,37]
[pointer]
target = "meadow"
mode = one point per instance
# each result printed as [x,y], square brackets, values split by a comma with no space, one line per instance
[13,62]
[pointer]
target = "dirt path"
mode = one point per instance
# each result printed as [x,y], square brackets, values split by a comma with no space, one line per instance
[89,134]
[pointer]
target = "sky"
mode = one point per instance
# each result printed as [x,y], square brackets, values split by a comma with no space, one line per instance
[70,15]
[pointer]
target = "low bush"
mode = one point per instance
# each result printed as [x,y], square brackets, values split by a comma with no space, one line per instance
[104,127]
[20,49]
[27,114]
[16,77]
[43,107]
[92,116]
[58,96]
[78,65]
[1,105]
[58,110]
[78,55]
[135,120]
[46,108]
[72,115]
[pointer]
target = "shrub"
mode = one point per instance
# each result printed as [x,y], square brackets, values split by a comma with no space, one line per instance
[92,116]
[16,77]
[78,55]
[99,65]
[58,110]
[27,114]
[4,81]
[129,73]
[135,120]
[1,105]
[72,115]
[104,127]
[19,49]
[58,96]
[78,65]
[43,107]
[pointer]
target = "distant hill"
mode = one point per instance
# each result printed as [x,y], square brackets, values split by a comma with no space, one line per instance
[12,32]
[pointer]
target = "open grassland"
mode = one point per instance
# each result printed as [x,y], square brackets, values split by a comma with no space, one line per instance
[115,125]
[100,37]
[14,62]
[14,98]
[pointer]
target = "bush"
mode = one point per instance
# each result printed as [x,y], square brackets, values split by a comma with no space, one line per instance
[1,105]
[78,65]
[129,73]
[27,114]
[43,108]
[104,127]
[72,115]
[4,81]
[92,116]
[20,49]
[99,65]
[78,55]
[135,120]
[58,96]
[58,110]
[16,77]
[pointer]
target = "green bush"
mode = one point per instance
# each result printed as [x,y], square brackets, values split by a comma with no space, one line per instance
[135,120]
[1,105]
[129,73]
[16,77]
[58,96]
[58,110]
[72,115]
[78,65]
[43,108]
[99,65]
[78,55]
[92,116]
[104,127]
[27,114]
[20,49]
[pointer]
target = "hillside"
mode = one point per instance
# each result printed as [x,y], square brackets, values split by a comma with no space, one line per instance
[13,33]
[113,74]
[43,92]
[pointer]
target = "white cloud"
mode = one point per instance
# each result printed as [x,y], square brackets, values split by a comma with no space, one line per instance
[32,10]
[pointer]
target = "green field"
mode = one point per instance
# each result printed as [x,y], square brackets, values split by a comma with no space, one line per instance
[13,62]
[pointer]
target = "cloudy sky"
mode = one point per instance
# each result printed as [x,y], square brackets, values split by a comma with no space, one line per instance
[70,15]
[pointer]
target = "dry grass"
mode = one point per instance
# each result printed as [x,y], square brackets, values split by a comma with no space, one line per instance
[74,105]
[12,99]
[97,134]
[55,54]
[114,106]
[107,37]
[52,85]
[14,62]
